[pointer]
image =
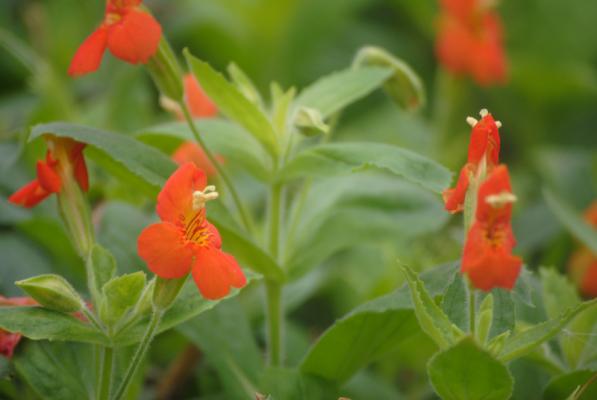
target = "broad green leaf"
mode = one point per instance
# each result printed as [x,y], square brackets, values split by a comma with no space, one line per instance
[57,371]
[564,385]
[503,312]
[572,221]
[119,294]
[236,357]
[404,85]
[525,341]
[334,92]
[142,160]
[455,302]
[386,323]
[232,103]
[558,293]
[341,158]
[433,321]
[187,305]
[224,138]
[290,384]
[39,323]
[579,342]
[101,267]
[467,372]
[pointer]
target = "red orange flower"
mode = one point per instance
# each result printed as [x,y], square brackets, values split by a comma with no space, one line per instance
[583,263]
[199,104]
[63,155]
[185,241]
[487,257]
[9,340]
[483,155]
[469,41]
[128,31]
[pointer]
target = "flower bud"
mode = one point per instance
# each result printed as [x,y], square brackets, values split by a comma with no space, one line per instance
[166,72]
[165,292]
[310,122]
[53,292]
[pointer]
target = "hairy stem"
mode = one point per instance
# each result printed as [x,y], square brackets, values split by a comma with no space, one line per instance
[105,378]
[274,289]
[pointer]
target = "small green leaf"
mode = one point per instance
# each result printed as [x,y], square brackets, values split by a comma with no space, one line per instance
[484,318]
[53,292]
[433,321]
[341,158]
[503,312]
[39,323]
[281,102]
[332,93]
[310,122]
[467,372]
[232,103]
[101,267]
[142,160]
[571,220]
[119,295]
[525,341]
[455,302]
[404,86]
[244,84]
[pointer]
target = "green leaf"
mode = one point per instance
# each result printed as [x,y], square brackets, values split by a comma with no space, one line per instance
[558,293]
[467,372]
[244,84]
[503,313]
[334,92]
[340,158]
[236,357]
[433,321]
[564,385]
[142,160]
[281,104]
[119,295]
[290,384]
[404,85]
[39,323]
[223,137]
[310,122]
[455,302]
[370,331]
[232,103]
[525,341]
[101,267]
[572,221]
[39,362]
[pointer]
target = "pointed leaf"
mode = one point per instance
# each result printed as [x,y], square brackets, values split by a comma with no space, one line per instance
[455,302]
[119,295]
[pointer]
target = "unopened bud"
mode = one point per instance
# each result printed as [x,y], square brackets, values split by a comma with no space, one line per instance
[53,292]
[165,292]
[166,72]
[310,121]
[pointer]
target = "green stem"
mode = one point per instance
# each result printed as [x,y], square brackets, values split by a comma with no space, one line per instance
[274,322]
[244,214]
[471,309]
[139,354]
[274,289]
[105,378]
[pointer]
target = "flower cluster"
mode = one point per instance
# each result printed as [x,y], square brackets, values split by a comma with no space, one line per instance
[487,257]
[469,40]
[128,31]
[63,157]
[184,241]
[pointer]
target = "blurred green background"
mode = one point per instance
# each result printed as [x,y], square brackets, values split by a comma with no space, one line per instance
[548,109]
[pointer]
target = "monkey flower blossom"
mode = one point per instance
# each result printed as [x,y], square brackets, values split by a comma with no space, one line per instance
[128,31]
[184,241]
[487,258]
[483,156]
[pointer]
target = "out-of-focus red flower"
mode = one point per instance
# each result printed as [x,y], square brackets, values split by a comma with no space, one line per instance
[199,104]
[483,154]
[487,257]
[128,31]
[9,340]
[64,155]
[192,152]
[469,40]
[582,265]
[185,241]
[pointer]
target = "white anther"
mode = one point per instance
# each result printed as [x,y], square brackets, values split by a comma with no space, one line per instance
[501,199]
[202,197]
[471,121]
[498,124]
[483,113]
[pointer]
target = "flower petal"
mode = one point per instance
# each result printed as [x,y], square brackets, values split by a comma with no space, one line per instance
[162,247]
[8,342]
[496,183]
[454,198]
[29,195]
[135,38]
[89,55]
[215,272]
[175,201]
[485,141]
[48,178]
[79,166]
[192,152]
[201,106]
